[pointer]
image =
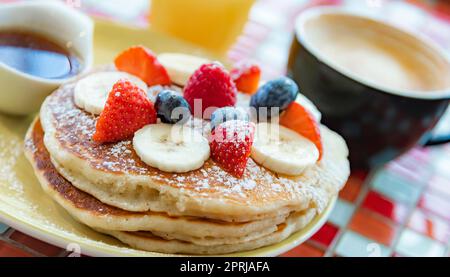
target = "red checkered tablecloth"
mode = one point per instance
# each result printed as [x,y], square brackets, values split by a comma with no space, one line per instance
[402,209]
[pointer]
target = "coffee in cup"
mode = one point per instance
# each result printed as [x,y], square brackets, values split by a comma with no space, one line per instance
[376,53]
[382,88]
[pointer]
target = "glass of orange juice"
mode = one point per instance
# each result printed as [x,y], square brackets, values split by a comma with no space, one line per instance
[212,24]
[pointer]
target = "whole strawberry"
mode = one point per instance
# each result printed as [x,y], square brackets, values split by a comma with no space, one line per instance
[211,84]
[231,144]
[127,110]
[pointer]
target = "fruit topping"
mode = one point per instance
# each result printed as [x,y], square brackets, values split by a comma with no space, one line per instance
[172,108]
[140,61]
[171,148]
[246,77]
[282,150]
[274,97]
[91,92]
[307,104]
[180,66]
[300,120]
[210,87]
[127,110]
[231,144]
[226,114]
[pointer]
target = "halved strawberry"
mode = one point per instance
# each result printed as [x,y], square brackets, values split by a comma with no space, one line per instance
[297,118]
[127,110]
[246,77]
[141,62]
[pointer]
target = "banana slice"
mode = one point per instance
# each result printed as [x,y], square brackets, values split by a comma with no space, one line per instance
[180,66]
[171,148]
[92,91]
[282,150]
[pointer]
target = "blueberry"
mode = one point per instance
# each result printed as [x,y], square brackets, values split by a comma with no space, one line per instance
[172,108]
[278,93]
[228,113]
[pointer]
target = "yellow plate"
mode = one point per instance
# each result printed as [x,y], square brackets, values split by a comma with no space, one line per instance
[25,207]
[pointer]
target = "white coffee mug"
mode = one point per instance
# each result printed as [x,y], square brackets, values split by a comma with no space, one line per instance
[21,93]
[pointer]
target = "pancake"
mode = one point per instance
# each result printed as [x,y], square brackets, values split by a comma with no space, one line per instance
[205,211]
[90,211]
[94,213]
[149,242]
[115,175]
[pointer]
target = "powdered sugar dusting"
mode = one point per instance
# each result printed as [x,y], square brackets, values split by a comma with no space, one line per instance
[276,187]
[10,151]
[249,185]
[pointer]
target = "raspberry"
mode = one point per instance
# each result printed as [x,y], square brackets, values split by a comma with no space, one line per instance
[127,110]
[213,86]
[231,144]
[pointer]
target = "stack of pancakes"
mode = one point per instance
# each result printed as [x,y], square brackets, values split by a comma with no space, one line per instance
[205,211]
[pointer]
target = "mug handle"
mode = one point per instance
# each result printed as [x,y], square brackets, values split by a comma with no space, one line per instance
[441,132]
[436,140]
